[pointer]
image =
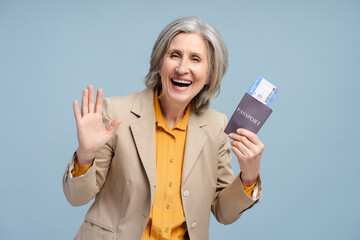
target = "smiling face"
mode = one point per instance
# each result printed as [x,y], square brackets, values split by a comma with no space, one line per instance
[184,70]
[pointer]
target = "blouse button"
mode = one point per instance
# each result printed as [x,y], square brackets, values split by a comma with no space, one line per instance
[186,193]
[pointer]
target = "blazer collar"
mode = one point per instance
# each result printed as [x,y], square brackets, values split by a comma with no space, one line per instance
[143,130]
[144,103]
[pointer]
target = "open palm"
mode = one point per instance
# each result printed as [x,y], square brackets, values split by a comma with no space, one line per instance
[90,127]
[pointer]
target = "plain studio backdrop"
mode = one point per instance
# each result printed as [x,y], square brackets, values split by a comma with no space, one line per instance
[51,50]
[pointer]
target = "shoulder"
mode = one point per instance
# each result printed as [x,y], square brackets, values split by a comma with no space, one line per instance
[215,118]
[212,123]
[122,100]
[213,112]
[120,105]
[124,106]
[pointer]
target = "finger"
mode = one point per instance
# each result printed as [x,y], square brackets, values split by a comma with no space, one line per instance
[242,148]
[99,101]
[114,125]
[91,98]
[250,135]
[239,155]
[84,103]
[76,110]
[244,140]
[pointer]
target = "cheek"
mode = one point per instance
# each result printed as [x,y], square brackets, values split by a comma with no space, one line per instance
[205,76]
[165,69]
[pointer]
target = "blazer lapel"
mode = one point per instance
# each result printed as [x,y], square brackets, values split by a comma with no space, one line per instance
[143,130]
[195,141]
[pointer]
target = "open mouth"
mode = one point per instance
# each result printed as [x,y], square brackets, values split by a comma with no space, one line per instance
[181,83]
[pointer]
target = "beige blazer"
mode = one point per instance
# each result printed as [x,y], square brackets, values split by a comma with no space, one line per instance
[123,176]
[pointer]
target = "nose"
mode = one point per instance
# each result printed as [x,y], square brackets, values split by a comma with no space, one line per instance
[182,67]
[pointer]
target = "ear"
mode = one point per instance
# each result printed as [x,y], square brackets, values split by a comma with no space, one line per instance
[207,81]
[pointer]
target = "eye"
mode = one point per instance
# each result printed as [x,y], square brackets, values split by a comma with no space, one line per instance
[196,59]
[174,55]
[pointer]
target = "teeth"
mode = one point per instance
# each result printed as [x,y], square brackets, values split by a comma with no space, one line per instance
[181,81]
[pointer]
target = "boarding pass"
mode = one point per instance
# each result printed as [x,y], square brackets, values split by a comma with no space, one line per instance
[263,90]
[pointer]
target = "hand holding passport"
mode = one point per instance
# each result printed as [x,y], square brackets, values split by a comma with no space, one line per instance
[253,109]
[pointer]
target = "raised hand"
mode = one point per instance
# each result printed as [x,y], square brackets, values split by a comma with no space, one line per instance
[90,127]
[248,149]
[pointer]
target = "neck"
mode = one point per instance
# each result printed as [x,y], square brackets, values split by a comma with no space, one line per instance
[172,113]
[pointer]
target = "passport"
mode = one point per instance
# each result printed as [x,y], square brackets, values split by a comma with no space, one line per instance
[253,109]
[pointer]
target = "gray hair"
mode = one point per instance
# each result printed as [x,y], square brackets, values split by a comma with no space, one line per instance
[217,58]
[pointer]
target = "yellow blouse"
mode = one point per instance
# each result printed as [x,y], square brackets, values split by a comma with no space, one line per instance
[167,220]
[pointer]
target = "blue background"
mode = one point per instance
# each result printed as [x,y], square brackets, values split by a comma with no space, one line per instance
[51,50]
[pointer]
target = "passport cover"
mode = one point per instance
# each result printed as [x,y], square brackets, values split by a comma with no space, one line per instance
[250,114]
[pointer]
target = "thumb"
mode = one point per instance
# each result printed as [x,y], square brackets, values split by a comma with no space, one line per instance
[114,125]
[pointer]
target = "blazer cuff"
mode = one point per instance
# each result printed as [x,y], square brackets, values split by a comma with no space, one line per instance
[80,170]
[256,194]
[233,201]
[82,189]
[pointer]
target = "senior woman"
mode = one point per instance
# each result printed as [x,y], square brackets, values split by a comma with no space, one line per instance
[161,163]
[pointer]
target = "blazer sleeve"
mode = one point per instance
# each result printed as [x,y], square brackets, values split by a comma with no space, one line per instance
[230,199]
[82,189]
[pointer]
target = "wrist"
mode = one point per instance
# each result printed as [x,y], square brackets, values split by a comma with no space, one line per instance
[247,181]
[84,158]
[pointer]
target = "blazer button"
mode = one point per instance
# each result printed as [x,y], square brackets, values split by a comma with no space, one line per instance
[186,193]
[193,225]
